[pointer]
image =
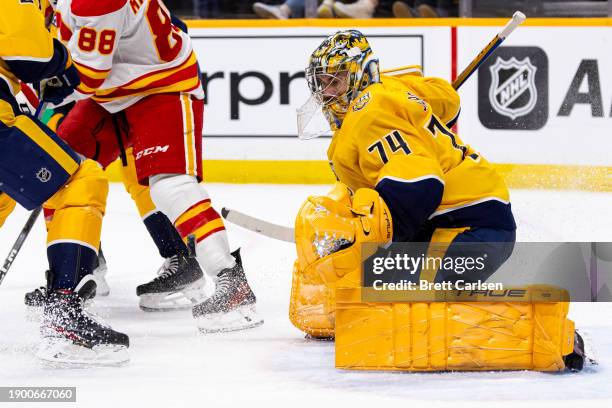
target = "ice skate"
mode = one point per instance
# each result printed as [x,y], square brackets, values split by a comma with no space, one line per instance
[575,360]
[179,284]
[232,305]
[73,338]
[35,299]
[583,355]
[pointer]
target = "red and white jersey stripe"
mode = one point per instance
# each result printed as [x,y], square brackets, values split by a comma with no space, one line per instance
[127,49]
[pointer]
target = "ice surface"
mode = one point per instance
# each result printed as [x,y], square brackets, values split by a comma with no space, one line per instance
[274,366]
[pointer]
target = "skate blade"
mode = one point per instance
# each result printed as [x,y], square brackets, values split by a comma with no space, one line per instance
[241,318]
[62,353]
[170,301]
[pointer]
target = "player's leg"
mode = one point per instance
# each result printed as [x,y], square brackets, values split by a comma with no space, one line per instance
[87,129]
[90,130]
[168,154]
[492,245]
[72,241]
[160,294]
[35,299]
[7,205]
[77,192]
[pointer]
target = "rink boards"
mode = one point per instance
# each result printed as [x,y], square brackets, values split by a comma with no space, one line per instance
[540,107]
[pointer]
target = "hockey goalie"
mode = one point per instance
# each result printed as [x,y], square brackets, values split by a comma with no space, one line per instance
[404,176]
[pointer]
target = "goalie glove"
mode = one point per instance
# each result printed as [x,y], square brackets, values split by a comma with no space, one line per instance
[327,224]
[329,231]
[373,215]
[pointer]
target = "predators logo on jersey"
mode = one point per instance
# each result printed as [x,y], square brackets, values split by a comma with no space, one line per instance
[361,102]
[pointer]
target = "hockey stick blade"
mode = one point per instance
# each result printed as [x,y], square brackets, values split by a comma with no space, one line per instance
[25,231]
[262,227]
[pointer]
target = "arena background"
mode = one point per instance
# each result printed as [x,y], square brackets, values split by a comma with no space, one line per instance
[563,141]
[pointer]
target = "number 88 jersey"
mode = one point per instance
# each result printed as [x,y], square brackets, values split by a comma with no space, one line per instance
[126,49]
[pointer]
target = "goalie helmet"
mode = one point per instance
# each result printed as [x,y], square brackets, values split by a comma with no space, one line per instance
[338,70]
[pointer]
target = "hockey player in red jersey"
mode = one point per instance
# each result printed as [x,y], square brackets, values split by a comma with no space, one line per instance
[139,69]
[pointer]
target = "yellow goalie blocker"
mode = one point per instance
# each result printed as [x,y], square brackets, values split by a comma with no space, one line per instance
[408,336]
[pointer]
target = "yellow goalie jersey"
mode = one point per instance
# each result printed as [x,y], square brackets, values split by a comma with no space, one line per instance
[395,139]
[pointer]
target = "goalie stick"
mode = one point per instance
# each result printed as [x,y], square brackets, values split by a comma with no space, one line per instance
[286,234]
[25,231]
[266,228]
[516,20]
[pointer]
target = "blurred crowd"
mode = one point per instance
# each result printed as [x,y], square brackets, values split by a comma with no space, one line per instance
[358,9]
[286,9]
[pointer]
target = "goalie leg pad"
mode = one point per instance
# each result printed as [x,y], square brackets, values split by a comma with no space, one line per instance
[451,336]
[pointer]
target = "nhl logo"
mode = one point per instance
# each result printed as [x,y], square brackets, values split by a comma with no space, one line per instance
[43,175]
[513,92]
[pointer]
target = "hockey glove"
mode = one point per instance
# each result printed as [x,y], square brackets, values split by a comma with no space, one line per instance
[373,216]
[58,88]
